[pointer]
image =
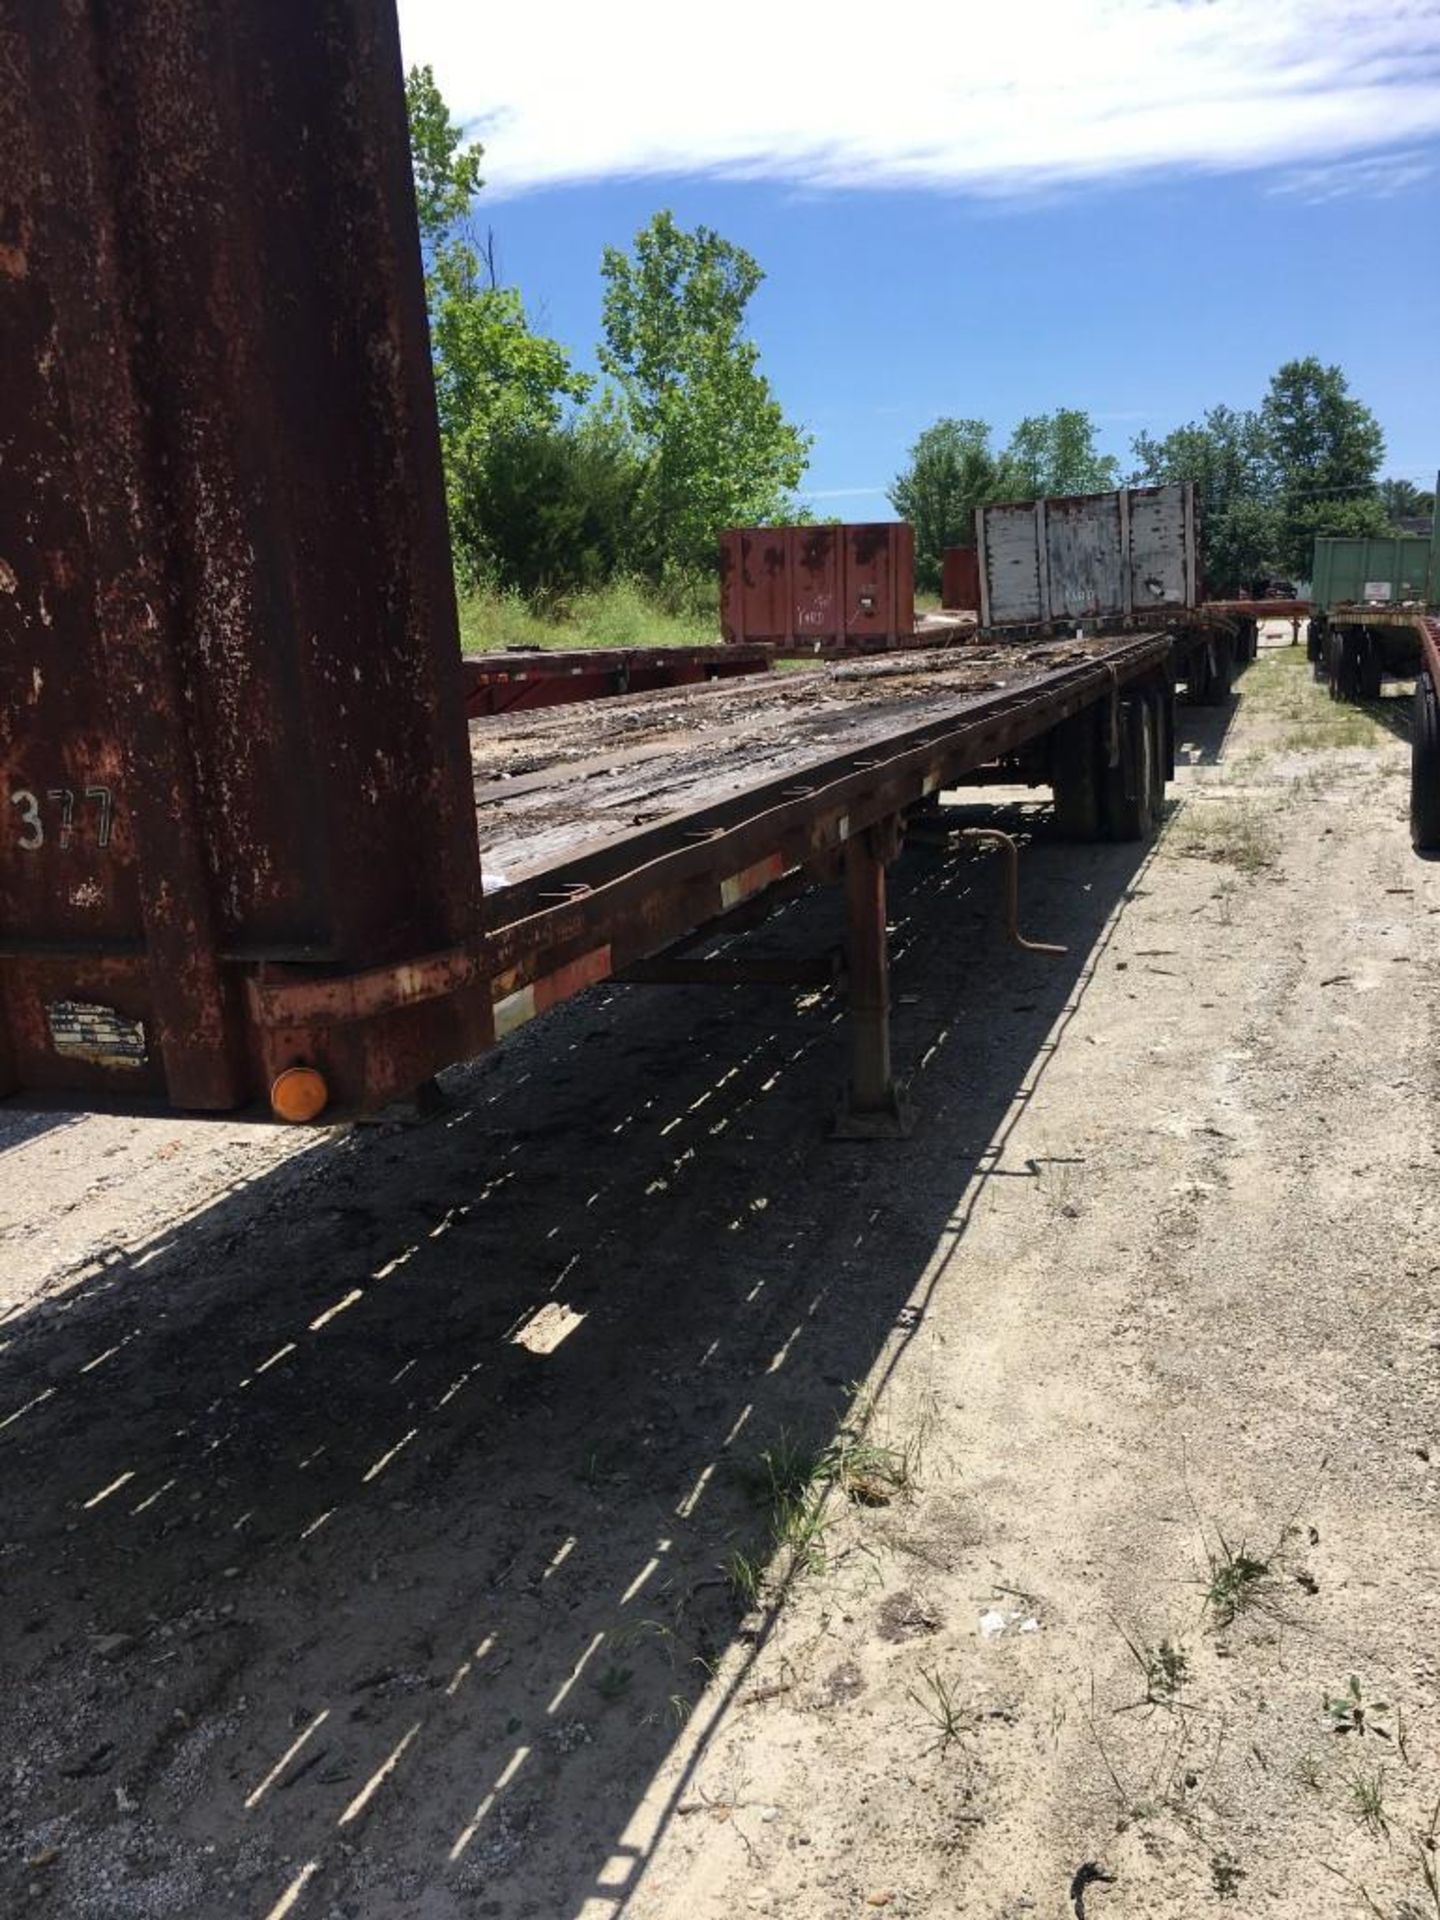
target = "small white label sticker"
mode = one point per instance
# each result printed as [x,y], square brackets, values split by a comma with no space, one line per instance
[81,1031]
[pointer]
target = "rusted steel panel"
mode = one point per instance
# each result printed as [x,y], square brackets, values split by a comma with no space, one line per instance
[818,586]
[1089,557]
[879,581]
[1010,543]
[231,725]
[518,682]
[960,578]
[1164,566]
[1085,541]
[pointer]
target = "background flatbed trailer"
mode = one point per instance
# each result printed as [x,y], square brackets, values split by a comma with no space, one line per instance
[520,681]
[1374,613]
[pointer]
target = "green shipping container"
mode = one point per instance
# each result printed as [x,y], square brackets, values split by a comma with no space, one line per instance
[1384,572]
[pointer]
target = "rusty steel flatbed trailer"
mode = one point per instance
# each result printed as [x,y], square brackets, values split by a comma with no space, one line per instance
[240,865]
[610,835]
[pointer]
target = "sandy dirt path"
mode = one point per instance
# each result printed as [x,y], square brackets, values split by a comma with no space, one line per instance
[613,1498]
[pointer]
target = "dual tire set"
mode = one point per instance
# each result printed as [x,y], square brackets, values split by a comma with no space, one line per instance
[1354,666]
[1097,801]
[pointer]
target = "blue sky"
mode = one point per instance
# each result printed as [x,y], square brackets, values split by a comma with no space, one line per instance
[1071,230]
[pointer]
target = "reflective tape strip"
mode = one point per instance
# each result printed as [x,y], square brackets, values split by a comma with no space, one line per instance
[750,880]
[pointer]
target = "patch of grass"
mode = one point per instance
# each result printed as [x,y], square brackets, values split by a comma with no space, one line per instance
[869,1472]
[1367,1800]
[746,1578]
[939,1700]
[1280,685]
[1235,833]
[1165,1668]
[623,614]
[789,1480]
[1238,1579]
[614,1682]
[1427,1842]
[792,1480]
[1339,723]
[1308,1772]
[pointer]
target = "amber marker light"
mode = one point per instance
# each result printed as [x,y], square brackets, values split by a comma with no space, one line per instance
[298,1094]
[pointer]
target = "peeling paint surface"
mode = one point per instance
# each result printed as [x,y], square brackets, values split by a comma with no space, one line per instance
[221,495]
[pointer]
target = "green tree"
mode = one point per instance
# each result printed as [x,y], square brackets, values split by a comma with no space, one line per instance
[495,377]
[1227,455]
[951,471]
[716,447]
[557,503]
[1403,500]
[1055,453]
[1325,448]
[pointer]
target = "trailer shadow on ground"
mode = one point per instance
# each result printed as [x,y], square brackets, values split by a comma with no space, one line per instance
[1201,732]
[1393,710]
[18,1129]
[367,1537]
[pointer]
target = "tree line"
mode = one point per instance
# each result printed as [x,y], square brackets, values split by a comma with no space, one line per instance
[1305,461]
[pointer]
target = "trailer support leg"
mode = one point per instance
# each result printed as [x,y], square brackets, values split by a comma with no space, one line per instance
[874,1107]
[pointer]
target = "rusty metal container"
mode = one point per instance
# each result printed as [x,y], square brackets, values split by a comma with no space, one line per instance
[814,587]
[232,741]
[960,578]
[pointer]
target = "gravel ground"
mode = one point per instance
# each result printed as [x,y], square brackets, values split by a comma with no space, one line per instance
[611,1497]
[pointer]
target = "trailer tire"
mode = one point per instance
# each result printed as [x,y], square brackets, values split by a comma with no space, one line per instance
[1198,677]
[1425,768]
[1339,666]
[1224,677]
[1131,790]
[1075,777]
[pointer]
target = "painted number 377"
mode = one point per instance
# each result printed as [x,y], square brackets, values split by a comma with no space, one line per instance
[54,814]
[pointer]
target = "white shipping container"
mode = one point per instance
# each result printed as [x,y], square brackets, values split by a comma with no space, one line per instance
[1088,557]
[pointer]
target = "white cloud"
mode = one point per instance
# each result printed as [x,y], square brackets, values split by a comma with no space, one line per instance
[978,96]
[1374,176]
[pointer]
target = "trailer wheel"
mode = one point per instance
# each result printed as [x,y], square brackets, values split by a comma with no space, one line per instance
[1198,677]
[1425,768]
[1224,675]
[1340,666]
[1132,790]
[1075,777]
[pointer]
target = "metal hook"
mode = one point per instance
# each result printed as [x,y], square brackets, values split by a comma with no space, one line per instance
[992,836]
